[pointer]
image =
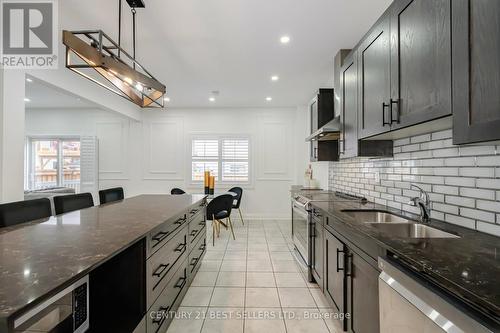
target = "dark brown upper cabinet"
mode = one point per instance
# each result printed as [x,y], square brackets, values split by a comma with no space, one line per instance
[321,111]
[375,85]
[476,70]
[348,143]
[420,61]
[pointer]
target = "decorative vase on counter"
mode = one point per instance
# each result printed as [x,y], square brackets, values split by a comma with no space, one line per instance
[211,185]
[206,183]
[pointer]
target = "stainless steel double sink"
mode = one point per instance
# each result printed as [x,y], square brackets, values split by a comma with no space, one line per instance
[397,226]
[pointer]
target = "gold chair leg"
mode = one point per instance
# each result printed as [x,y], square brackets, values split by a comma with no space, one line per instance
[241,217]
[231,226]
[218,228]
[213,231]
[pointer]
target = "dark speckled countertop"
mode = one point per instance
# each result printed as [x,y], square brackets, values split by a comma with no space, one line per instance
[38,257]
[467,268]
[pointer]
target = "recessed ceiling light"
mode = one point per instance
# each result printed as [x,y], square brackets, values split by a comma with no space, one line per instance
[212,99]
[275,78]
[269,99]
[29,80]
[285,39]
[166,99]
[26,99]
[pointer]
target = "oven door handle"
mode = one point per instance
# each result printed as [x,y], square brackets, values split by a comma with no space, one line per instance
[300,206]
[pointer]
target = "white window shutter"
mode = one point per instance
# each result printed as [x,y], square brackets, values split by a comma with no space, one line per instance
[89,169]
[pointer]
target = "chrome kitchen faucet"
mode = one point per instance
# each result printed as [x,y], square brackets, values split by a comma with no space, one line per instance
[423,202]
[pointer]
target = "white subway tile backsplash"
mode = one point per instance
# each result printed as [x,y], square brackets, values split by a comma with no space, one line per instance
[447,152]
[442,135]
[460,201]
[446,171]
[477,214]
[463,181]
[460,181]
[408,148]
[488,183]
[493,229]
[445,189]
[477,172]
[401,142]
[493,206]
[461,221]
[445,208]
[477,150]
[477,193]
[460,161]
[420,138]
[488,161]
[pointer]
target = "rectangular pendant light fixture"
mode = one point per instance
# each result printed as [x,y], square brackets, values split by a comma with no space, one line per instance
[94,55]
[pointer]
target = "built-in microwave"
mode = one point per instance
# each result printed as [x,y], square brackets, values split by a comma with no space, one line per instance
[65,312]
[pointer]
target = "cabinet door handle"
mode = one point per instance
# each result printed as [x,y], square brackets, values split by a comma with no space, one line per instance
[398,113]
[339,268]
[194,232]
[350,263]
[384,106]
[160,269]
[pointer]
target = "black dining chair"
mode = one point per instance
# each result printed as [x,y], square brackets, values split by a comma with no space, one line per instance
[110,195]
[237,200]
[13,213]
[219,208]
[69,203]
[177,191]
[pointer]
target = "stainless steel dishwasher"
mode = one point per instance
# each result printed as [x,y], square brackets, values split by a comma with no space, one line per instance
[408,306]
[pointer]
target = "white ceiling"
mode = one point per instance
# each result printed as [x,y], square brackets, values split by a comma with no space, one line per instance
[197,46]
[42,96]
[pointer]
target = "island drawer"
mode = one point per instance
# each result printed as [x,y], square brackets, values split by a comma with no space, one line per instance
[196,227]
[160,235]
[200,209]
[196,255]
[160,314]
[162,265]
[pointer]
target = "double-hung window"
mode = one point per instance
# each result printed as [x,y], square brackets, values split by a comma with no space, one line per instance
[53,162]
[227,158]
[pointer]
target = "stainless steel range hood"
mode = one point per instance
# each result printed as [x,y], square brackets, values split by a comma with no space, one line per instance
[330,131]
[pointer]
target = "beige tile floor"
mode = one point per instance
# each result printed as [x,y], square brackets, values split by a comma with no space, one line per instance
[252,284]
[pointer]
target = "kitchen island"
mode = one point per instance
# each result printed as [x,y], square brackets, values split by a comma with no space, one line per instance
[41,258]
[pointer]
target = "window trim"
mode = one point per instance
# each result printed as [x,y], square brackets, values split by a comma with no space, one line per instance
[30,156]
[220,138]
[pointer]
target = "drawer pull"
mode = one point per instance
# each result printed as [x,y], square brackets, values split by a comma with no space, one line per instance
[180,221]
[194,261]
[160,320]
[160,269]
[194,232]
[160,236]
[202,247]
[182,281]
[180,248]
[202,223]
[194,211]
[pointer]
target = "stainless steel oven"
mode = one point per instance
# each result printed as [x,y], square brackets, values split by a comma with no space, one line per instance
[303,224]
[301,228]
